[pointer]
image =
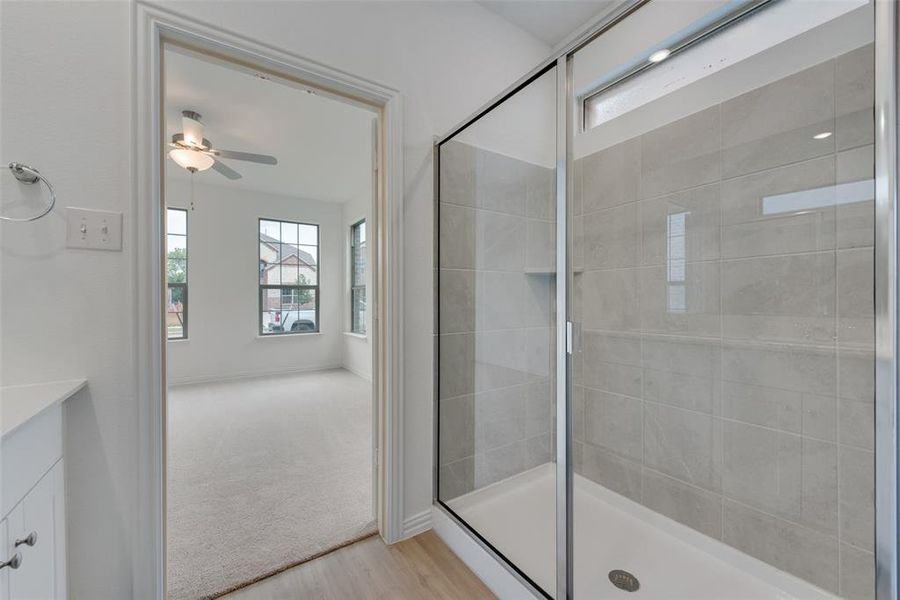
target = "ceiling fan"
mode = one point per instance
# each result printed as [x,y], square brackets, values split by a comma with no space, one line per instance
[196,153]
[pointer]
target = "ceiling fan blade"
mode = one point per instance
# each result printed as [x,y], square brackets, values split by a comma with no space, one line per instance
[264,159]
[226,170]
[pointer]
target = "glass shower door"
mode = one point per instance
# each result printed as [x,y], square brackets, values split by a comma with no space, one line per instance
[723,227]
[496,331]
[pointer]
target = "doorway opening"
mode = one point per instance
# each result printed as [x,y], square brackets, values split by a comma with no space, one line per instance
[270,188]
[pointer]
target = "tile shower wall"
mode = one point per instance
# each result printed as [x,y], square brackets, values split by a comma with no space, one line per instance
[724,281]
[496,303]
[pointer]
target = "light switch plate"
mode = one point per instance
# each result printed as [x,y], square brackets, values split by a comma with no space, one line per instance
[93,229]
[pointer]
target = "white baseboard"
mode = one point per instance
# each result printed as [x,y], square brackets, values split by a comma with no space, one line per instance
[416,524]
[173,381]
[501,582]
[360,374]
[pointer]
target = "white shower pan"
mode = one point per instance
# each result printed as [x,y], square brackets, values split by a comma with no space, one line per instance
[671,561]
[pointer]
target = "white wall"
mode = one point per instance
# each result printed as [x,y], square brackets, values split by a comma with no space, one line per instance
[65,108]
[223,286]
[67,105]
[356,350]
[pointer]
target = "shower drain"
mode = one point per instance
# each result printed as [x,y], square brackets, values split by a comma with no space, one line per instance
[624,580]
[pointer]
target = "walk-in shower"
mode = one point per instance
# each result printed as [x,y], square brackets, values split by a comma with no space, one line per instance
[657,291]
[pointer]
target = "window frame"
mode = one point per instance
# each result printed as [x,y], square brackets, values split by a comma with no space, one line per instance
[353,287]
[184,286]
[262,287]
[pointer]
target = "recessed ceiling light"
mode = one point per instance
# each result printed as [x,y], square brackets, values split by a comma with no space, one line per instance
[822,136]
[660,55]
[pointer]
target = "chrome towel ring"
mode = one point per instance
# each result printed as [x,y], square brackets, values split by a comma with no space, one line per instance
[30,175]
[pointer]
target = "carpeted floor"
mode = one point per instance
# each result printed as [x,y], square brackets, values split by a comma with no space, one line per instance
[263,474]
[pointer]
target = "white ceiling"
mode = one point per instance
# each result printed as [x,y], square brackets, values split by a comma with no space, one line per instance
[551,21]
[323,145]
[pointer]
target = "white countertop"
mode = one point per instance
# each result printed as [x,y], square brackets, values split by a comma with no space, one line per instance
[19,403]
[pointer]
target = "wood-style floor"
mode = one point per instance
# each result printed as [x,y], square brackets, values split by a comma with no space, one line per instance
[420,568]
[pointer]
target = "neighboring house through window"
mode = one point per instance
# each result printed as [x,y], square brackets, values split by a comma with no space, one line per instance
[288,277]
[176,274]
[358,277]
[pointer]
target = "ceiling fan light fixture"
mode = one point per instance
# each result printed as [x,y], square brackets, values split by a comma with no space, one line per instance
[192,128]
[191,160]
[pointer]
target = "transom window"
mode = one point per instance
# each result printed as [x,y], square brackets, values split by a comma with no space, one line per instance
[358,277]
[176,274]
[288,277]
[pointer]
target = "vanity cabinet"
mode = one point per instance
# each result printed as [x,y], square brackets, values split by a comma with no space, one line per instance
[32,494]
[39,515]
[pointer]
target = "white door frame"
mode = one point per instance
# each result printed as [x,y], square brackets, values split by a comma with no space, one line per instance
[153,27]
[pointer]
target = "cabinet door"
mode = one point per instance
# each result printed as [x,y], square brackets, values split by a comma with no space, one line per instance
[36,577]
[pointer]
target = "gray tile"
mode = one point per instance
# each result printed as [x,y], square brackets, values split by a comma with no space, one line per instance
[692,506]
[457,428]
[613,423]
[456,479]
[612,363]
[457,237]
[578,192]
[500,183]
[856,372]
[457,301]
[540,246]
[457,164]
[611,177]
[457,364]
[681,226]
[500,304]
[499,417]
[499,463]
[500,359]
[681,298]
[780,298]
[538,450]
[682,154]
[612,472]
[538,301]
[683,444]
[612,237]
[855,97]
[538,408]
[682,372]
[801,551]
[611,300]
[785,410]
[774,125]
[782,474]
[792,368]
[578,393]
[578,244]
[539,352]
[761,215]
[856,297]
[858,498]
[856,211]
[500,241]
[857,574]
[541,193]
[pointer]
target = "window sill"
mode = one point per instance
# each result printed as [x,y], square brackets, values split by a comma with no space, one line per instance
[171,340]
[359,336]
[288,335]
